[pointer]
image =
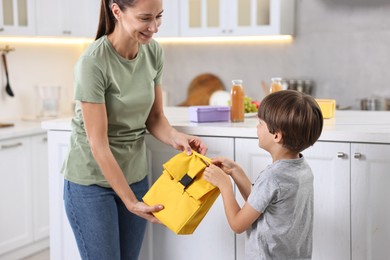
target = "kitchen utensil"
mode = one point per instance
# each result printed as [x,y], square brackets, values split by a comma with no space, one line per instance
[369,104]
[7,86]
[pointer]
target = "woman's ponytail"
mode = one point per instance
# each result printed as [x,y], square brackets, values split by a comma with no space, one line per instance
[106,19]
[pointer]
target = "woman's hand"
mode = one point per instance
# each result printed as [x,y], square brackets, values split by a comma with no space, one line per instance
[184,142]
[144,211]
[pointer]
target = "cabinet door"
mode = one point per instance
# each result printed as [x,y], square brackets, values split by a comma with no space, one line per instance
[80,18]
[330,163]
[331,229]
[236,17]
[253,160]
[17,17]
[213,239]
[48,18]
[203,17]
[261,17]
[67,17]
[15,199]
[62,242]
[369,198]
[170,20]
[40,186]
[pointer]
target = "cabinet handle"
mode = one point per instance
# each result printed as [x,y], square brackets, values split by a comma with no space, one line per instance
[44,140]
[340,155]
[8,146]
[1,29]
[66,32]
[357,155]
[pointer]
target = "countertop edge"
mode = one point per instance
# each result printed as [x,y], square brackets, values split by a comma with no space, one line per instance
[351,126]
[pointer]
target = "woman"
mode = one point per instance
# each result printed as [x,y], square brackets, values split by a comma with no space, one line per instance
[117,86]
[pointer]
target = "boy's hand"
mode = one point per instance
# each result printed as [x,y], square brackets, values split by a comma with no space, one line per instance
[217,177]
[225,164]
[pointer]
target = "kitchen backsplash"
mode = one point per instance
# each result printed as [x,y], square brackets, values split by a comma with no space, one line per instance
[36,64]
[341,45]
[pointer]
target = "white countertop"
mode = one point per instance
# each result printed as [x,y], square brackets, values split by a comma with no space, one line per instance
[20,128]
[346,126]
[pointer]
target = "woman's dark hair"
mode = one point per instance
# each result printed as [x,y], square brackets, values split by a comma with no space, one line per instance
[296,115]
[107,20]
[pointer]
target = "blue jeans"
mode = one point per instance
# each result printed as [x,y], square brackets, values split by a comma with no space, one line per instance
[102,225]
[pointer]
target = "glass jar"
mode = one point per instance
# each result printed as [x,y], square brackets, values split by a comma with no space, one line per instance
[276,85]
[237,101]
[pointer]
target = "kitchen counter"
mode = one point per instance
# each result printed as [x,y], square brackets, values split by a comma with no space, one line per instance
[346,126]
[20,128]
[350,165]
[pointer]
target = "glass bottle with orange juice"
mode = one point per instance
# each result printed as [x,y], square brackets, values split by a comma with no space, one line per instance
[276,85]
[237,101]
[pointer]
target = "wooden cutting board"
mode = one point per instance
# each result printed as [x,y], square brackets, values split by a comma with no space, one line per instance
[6,125]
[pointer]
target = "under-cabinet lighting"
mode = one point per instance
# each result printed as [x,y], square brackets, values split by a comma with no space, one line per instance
[237,39]
[54,40]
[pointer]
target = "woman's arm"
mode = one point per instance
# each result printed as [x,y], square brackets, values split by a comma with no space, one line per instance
[95,120]
[158,125]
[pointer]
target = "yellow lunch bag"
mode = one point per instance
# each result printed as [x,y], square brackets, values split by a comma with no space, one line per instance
[184,193]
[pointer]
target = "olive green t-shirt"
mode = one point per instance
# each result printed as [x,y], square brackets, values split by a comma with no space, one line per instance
[126,87]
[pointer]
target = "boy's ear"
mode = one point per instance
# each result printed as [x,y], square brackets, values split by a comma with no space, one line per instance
[278,137]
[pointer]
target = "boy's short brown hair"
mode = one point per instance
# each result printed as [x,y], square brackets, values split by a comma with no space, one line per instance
[296,115]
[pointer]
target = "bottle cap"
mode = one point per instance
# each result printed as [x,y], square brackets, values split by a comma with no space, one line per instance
[237,81]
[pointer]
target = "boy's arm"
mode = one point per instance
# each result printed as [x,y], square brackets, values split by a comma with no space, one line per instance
[236,172]
[239,219]
[242,181]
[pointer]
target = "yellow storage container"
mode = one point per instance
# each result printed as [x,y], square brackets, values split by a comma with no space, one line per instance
[328,107]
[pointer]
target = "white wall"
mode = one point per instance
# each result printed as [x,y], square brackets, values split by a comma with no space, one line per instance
[343,45]
[35,64]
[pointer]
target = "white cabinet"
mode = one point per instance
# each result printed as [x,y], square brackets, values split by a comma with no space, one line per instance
[170,20]
[24,221]
[330,162]
[40,186]
[17,17]
[213,238]
[16,190]
[67,17]
[369,198]
[330,165]
[236,17]
[253,160]
[62,242]
[159,242]
[351,210]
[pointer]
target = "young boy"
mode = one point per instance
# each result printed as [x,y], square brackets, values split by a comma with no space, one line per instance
[278,209]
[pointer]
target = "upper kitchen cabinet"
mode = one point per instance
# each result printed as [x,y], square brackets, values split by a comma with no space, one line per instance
[170,20]
[72,18]
[237,17]
[17,17]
